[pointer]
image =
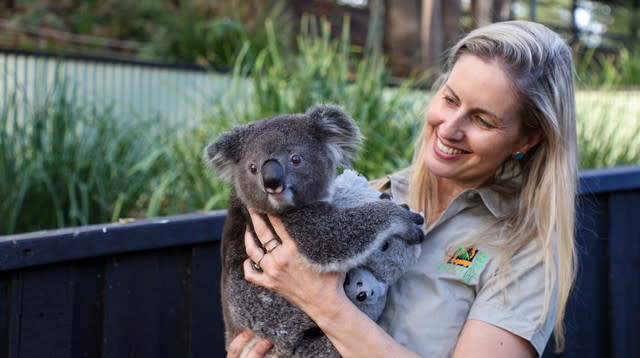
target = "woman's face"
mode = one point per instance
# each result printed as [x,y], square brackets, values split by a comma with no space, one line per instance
[473,124]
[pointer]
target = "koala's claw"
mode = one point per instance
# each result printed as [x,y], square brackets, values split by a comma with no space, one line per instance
[414,236]
[417,218]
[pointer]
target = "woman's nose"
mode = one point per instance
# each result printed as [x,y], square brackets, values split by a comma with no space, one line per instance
[452,128]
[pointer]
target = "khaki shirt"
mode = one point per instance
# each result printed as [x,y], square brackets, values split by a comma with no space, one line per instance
[429,305]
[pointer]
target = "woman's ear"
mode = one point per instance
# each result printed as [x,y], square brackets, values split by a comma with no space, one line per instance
[531,141]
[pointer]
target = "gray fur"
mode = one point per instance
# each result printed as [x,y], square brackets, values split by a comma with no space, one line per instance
[364,289]
[384,265]
[301,190]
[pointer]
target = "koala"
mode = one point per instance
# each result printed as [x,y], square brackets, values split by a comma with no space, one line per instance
[286,165]
[367,285]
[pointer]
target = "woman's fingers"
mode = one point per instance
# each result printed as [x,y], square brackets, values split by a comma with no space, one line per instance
[278,226]
[259,349]
[261,227]
[258,346]
[255,252]
[237,344]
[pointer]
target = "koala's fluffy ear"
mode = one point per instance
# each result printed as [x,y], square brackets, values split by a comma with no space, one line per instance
[338,130]
[225,151]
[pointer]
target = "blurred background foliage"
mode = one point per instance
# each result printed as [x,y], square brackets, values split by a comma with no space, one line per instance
[209,33]
[75,163]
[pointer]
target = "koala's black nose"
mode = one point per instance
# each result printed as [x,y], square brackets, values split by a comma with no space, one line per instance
[362,295]
[272,175]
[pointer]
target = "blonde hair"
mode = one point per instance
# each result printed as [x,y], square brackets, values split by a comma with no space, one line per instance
[539,64]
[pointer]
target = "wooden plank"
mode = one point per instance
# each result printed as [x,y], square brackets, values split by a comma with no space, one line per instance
[5,311]
[46,312]
[14,298]
[88,308]
[175,303]
[51,246]
[624,245]
[145,305]
[8,309]
[207,328]
[586,328]
[604,180]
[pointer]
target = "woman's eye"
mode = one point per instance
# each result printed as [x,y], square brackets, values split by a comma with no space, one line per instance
[296,159]
[484,123]
[449,100]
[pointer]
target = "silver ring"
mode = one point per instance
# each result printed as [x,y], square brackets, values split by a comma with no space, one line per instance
[273,243]
[256,265]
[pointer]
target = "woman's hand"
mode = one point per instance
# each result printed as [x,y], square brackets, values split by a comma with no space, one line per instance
[238,344]
[284,270]
[319,295]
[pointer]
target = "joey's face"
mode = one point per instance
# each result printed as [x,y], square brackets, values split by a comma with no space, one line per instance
[280,171]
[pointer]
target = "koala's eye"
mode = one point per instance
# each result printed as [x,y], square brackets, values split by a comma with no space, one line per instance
[296,159]
[253,168]
[385,247]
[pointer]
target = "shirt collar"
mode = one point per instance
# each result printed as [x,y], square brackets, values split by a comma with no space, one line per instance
[496,203]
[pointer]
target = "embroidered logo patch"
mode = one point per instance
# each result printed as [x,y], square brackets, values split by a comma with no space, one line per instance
[463,257]
[465,262]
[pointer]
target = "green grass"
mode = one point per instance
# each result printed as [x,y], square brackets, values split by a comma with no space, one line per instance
[608,125]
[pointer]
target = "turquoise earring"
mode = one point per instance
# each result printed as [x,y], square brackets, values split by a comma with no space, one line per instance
[518,156]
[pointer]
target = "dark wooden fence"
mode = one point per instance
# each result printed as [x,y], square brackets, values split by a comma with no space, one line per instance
[151,288]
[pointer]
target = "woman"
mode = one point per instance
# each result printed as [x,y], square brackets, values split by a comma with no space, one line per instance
[495,173]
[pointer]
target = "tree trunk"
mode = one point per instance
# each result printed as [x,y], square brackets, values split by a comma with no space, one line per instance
[402,35]
[485,12]
[451,22]
[481,12]
[431,35]
[10,5]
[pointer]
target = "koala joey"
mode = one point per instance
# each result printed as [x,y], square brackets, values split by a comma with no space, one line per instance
[286,165]
[366,285]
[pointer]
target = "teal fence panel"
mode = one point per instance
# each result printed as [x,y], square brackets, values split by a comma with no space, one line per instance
[133,88]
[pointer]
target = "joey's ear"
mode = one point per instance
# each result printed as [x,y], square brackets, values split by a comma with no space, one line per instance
[338,130]
[225,151]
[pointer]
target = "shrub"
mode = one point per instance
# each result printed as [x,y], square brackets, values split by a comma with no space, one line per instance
[65,164]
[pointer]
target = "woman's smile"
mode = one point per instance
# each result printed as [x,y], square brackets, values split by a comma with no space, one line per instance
[447,152]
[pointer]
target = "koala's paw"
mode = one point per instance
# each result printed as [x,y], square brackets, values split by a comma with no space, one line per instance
[416,217]
[407,224]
